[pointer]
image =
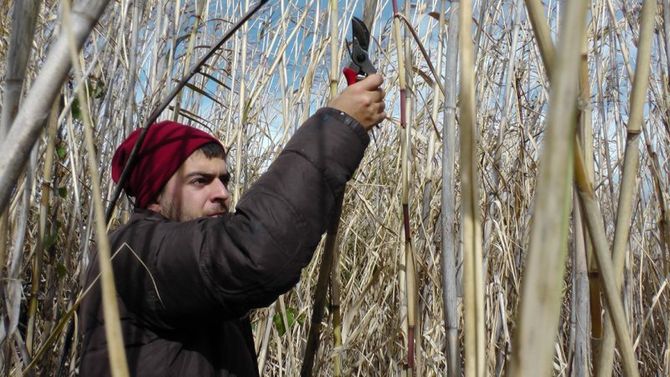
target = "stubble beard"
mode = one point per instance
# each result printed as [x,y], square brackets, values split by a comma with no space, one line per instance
[173,212]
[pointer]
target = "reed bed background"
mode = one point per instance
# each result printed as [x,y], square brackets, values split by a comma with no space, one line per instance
[542,151]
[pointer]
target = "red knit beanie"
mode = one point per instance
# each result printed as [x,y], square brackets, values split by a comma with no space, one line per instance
[165,147]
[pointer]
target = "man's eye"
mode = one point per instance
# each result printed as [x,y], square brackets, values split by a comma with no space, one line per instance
[199,181]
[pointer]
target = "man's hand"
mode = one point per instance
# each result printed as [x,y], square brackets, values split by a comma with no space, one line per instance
[364,101]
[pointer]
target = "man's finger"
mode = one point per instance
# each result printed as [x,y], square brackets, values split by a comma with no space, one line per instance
[378,95]
[371,82]
[380,107]
[380,117]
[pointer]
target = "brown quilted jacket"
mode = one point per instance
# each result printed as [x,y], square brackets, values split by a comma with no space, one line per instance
[185,289]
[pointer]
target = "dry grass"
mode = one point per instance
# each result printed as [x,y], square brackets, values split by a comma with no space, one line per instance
[283,63]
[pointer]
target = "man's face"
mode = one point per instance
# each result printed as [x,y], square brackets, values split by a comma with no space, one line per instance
[198,189]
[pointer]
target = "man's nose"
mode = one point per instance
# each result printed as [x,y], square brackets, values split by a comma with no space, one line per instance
[220,191]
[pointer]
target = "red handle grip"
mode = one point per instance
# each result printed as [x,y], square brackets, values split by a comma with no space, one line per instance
[350,75]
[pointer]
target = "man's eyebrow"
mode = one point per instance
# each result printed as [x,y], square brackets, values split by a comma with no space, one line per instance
[200,173]
[224,177]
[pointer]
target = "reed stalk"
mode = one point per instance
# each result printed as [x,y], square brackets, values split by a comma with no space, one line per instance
[316,52]
[334,73]
[24,17]
[408,289]
[630,172]
[12,291]
[449,235]
[597,231]
[243,111]
[539,308]
[131,109]
[335,285]
[471,236]
[325,269]
[115,345]
[582,244]
[36,107]
[42,235]
[542,34]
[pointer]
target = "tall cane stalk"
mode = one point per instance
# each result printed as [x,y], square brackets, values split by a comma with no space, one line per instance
[42,230]
[37,105]
[541,290]
[475,364]
[20,46]
[449,236]
[335,286]
[115,345]
[630,171]
[408,252]
[597,231]
[581,240]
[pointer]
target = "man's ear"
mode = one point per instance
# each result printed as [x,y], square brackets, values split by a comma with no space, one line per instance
[156,206]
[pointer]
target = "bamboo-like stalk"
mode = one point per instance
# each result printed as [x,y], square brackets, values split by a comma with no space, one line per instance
[12,289]
[233,61]
[44,210]
[630,170]
[581,241]
[335,286]
[593,274]
[325,269]
[334,74]
[264,343]
[20,45]
[449,236]
[409,253]
[471,236]
[24,18]
[132,70]
[597,231]
[542,34]
[408,291]
[114,337]
[541,288]
[580,295]
[316,51]
[243,111]
[284,318]
[36,107]
[428,175]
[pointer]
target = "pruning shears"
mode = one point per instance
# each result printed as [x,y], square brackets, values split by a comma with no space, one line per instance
[360,65]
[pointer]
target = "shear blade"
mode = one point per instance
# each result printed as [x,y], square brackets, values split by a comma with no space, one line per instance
[360,32]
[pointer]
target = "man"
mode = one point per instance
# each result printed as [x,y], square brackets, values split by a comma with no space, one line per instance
[188,271]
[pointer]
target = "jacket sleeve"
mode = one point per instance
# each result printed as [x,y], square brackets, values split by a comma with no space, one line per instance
[225,266]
